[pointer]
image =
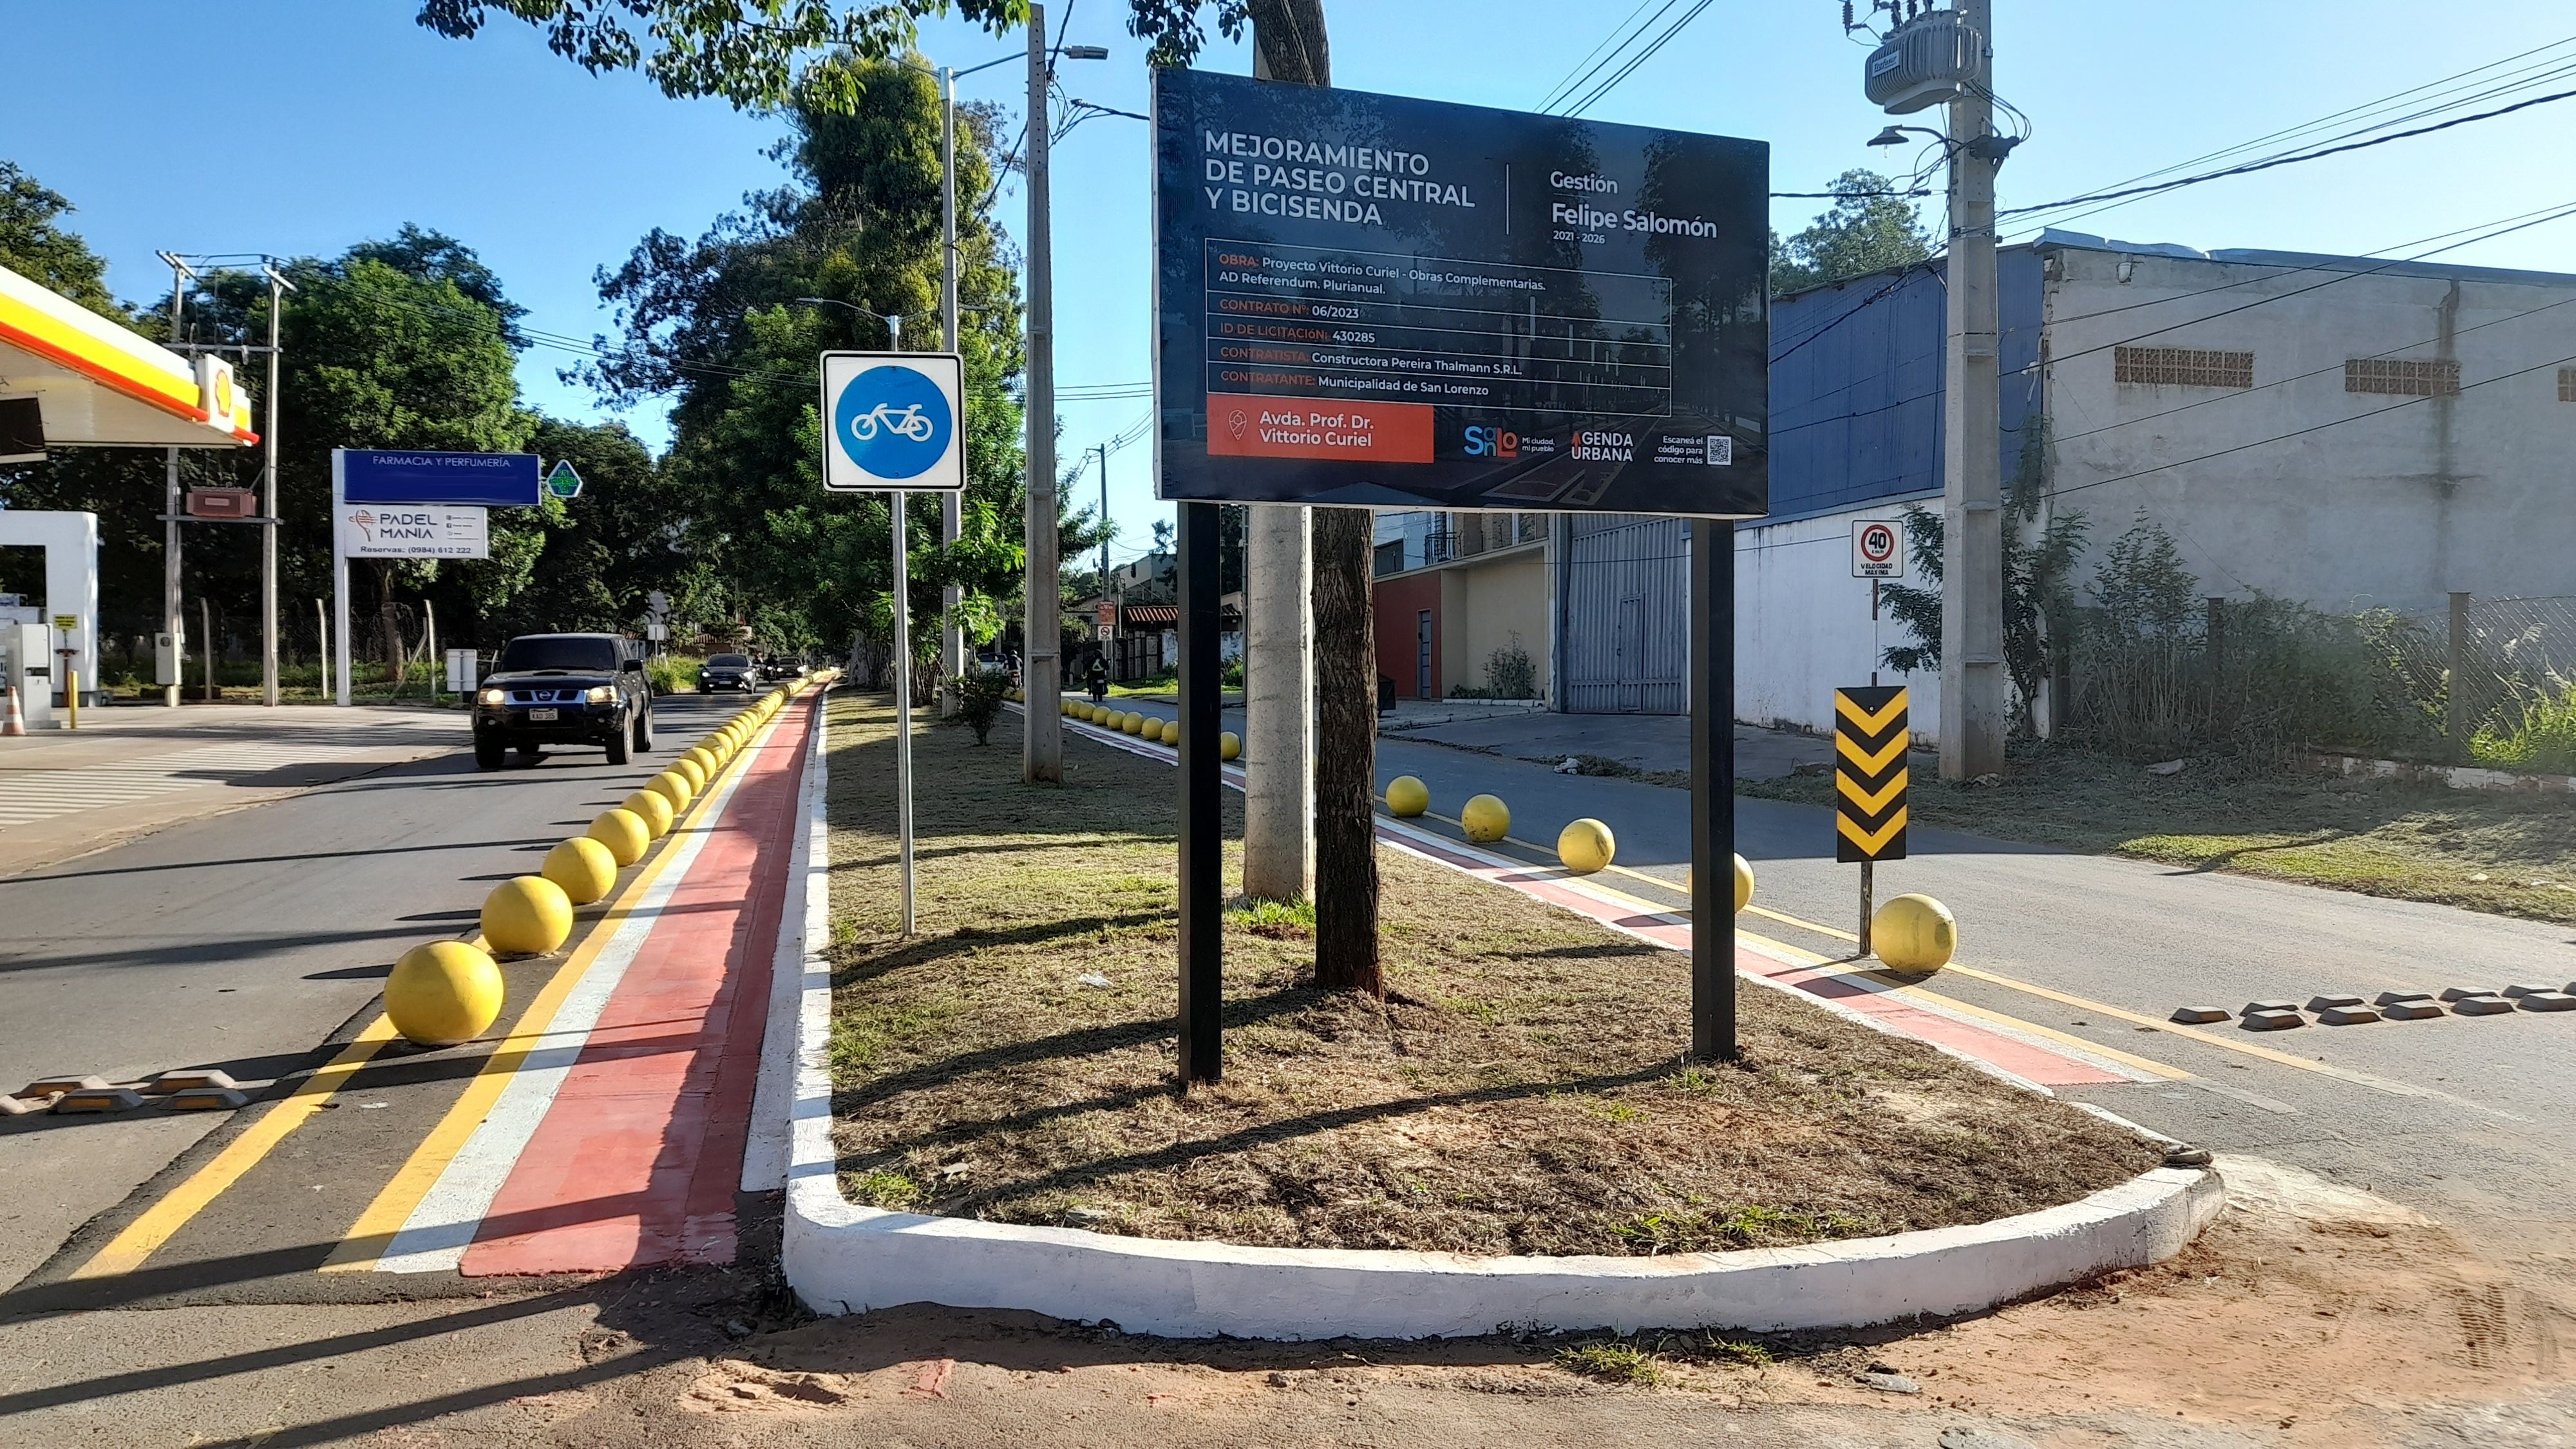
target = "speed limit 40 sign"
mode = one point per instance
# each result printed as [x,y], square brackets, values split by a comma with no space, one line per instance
[1878,549]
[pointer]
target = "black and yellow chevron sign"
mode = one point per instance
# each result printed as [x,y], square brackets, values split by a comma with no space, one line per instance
[1869,773]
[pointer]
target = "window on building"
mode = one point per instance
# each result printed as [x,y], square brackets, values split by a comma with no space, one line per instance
[2182,367]
[2403,376]
[1390,556]
[2567,384]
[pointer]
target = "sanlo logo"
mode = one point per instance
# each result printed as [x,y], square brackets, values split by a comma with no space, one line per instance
[893,422]
[1492,442]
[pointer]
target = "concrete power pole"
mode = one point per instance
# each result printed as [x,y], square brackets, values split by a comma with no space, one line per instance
[1041,682]
[1278,693]
[278,287]
[172,619]
[1972,593]
[952,638]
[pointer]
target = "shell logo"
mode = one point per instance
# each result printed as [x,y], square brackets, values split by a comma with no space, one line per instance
[223,394]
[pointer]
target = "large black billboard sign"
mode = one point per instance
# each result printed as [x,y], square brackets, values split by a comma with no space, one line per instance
[1364,299]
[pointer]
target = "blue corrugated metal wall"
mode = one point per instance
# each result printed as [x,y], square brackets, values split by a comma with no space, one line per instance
[1855,417]
[1856,384]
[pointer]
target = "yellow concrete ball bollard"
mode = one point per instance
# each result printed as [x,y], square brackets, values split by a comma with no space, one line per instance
[1151,730]
[693,772]
[1229,746]
[1586,846]
[1914,933]
[1133,724]
[623,833]
[1486,819]
[652,810]
[584,867]
[674,788]
[708,760]
[1743,883]
[527,915]
[1407,797]
[442,993]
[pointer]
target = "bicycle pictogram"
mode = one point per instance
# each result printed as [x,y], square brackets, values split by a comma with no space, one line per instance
[907,424]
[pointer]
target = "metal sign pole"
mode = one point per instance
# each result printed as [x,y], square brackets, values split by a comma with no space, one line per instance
[1712,648]
[1202,923]
[339,572]
[903,704]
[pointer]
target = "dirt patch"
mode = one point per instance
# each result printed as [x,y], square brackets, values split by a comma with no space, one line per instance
[2509,854]
[1522,1092]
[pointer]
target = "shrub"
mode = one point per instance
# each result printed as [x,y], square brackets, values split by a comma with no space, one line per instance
[671,673]
[1510,673]
[979,700]
[2544,738]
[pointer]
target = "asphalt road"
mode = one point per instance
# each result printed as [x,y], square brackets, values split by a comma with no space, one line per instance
[247,940]
[2471,1120]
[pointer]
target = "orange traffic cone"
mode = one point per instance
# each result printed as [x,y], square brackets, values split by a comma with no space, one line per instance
[15,722]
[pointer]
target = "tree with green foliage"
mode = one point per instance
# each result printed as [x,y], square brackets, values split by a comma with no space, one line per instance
[1867,229]
[35,246]
[720,324]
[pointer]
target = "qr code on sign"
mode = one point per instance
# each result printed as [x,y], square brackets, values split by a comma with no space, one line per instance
[1721,450]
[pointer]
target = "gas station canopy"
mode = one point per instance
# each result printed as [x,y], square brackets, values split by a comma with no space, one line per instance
[97,384]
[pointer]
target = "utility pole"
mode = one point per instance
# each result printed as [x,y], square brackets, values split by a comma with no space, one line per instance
[1041,683]
[952,637]
[278,287]
[1278,688]
[172,621]
[1972,591]
[1106,530]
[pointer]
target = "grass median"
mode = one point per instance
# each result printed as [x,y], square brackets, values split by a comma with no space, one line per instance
[2509,854]
[1521,1091]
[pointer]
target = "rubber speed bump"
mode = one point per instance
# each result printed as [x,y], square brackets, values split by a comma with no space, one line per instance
[98,1099]
[2547,1001]
[2481,1006]
[622,833]
[2421,1009]
[1914,933]
[2274,1019]
[188,1079]
[443,992]
[1229,746]
[56,1086]
[1407,797]
[2200,1015]
[2353,1015]
[207,1099]
[652,809]
[1586,846]
[1485,819]
[585,867]
[527,915]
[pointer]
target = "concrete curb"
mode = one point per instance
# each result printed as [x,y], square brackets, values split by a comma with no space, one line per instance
[843,1258]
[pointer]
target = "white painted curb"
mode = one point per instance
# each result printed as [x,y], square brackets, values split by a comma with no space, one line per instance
[843,1258]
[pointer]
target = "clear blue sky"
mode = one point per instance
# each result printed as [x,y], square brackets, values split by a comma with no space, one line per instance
[300,126]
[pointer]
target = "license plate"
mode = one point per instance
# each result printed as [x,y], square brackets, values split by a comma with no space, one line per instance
[541,716]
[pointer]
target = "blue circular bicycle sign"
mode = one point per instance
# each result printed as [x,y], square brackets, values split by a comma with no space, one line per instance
[893,422]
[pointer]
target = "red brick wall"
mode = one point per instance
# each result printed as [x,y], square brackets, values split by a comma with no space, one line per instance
[1400,602]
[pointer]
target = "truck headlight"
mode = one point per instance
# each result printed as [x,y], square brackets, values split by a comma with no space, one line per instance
[602,694]
[492,697]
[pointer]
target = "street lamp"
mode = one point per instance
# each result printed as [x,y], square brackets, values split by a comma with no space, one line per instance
[894,325]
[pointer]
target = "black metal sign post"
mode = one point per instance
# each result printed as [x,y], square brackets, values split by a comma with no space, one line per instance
[1712,674]
[1202,1051]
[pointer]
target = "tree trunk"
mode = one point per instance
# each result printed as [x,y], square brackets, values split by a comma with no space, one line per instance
[1288,39]
[1345,755]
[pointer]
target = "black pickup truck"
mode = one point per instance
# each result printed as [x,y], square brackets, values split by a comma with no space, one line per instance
[563,689]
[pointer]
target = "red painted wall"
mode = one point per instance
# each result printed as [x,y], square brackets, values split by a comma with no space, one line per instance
[1400,602]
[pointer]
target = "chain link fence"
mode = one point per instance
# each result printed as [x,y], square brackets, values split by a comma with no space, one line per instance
[2488,681]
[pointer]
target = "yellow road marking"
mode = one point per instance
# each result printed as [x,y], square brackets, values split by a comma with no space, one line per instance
[1897,987]
[2247,1048]
[126,1251]
[158,1223]
[365,1242]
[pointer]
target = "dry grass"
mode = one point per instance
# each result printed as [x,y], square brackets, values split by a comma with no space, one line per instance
[1522,1092]
[2509,854]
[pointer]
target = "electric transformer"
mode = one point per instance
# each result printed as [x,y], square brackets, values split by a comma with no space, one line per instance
[1927,61]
